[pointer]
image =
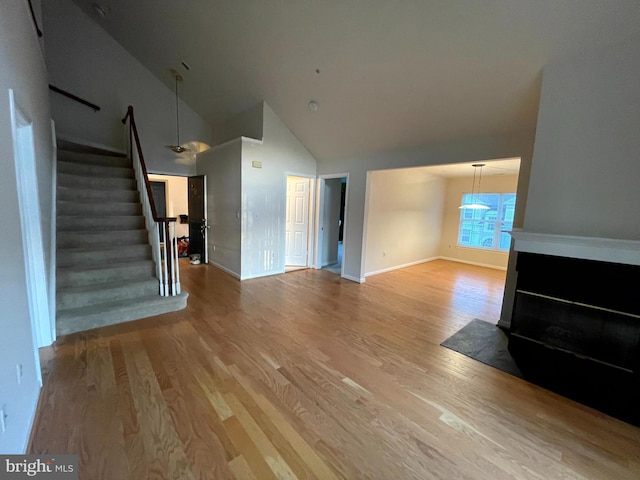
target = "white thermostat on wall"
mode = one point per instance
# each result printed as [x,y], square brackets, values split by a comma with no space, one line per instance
[256,164]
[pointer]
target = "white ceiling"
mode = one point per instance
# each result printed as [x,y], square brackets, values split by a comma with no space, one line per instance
[393,74]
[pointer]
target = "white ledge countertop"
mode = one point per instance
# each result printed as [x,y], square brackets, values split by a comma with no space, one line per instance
[588,248]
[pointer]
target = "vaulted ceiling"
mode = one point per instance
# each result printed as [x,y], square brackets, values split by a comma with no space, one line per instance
[386,74]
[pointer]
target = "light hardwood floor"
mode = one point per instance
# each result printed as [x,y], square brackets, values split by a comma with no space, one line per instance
[305,375]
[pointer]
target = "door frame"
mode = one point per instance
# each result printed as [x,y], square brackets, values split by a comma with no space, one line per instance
[42,323]
[319,212]
[205,247]
[311,216]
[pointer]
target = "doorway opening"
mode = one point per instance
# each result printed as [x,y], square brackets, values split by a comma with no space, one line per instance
[170,196]
[197,219]
[159,193]
[420,214]
[297,223]
[332,202]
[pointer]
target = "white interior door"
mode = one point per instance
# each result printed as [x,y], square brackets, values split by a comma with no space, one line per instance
[297,221]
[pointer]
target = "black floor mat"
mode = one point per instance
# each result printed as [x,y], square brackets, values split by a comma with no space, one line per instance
[486,343]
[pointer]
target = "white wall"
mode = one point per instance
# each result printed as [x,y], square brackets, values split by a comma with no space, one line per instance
[451,220]
[404,218]
[330,224]
[84,60]
[264,194]
[21,69]
[585,171]
[252,245]
[462,150]
[586,151]
[249,123]
[222,166]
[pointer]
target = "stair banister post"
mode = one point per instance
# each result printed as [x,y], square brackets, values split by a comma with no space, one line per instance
[157,254]
[175,250]
[171,230]
[165,265]
[168,256]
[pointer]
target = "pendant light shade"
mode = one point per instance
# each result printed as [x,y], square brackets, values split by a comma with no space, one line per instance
[177,148]
[474,206]
[475,203]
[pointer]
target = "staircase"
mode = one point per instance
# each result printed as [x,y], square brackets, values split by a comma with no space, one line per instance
[105,270]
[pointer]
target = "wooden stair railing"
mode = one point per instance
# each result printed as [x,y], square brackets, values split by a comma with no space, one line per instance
[75,98]
[162,230]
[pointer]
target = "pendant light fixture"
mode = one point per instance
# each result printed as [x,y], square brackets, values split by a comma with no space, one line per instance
[475,204]
[177,148]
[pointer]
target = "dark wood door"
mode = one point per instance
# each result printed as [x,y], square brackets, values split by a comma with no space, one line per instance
[197,217]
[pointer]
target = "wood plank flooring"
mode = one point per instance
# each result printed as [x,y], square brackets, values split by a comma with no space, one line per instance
[308,376]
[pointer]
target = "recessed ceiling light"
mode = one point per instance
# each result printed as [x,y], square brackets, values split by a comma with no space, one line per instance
[313,106]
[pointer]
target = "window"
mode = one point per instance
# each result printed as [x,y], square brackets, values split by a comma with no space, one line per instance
[484,228]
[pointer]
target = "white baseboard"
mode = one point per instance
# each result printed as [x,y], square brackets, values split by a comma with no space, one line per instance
[477,264]
[354,279]
[224,269]
[404,265]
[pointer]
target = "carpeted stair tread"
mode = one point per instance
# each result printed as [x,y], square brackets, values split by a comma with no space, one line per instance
[85,169]
[80,319]
[107,286]
[96,195]
[68,257]
[70,223]
[85,295]
[96,182]
[104,209]
[104,273]
[116,264]
[74,238]
[93,159]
